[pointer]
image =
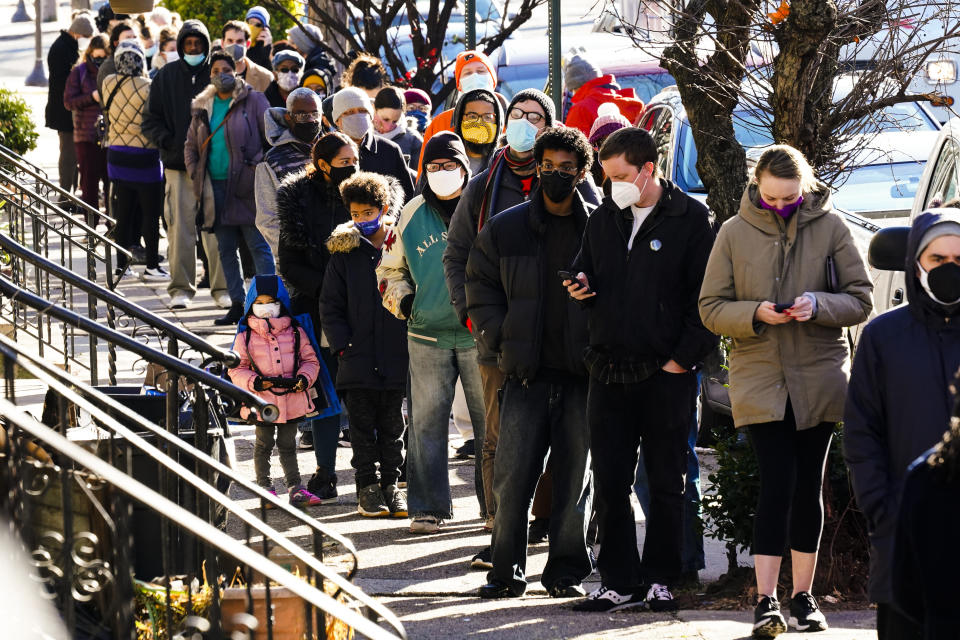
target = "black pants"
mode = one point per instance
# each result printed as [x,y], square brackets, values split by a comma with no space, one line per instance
[791,479]
[143,203]
[376,434]
[893,625]
[657,411]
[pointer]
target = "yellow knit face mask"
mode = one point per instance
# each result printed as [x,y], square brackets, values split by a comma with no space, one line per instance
[478,132]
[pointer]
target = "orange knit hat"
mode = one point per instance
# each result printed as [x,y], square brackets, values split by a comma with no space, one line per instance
[466,57]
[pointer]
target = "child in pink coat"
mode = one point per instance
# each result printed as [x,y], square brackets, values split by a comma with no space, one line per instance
[279,364]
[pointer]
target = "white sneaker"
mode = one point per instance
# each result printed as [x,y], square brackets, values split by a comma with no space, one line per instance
[155,275]
[180,301]
[101,229]
[426,524]
[222,299]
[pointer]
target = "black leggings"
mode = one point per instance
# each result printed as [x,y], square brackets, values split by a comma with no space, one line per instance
[138,205]
[791,478]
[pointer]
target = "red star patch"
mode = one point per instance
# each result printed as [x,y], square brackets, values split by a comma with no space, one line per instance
[388,242]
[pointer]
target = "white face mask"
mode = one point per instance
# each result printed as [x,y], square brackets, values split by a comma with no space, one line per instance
[171,56]
[266,310]
[288,81]
[476,81]
[445,183]
[625,194]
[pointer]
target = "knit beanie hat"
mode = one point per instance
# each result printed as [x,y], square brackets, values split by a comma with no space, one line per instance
[350,98]
[129,59]
[537,96]
[83,25]
[446,144]
[327,108]
[260,13]
[302,40]
[578,72]
[466,57]
[609,119]
[417,95]
[287,54]
[948,225]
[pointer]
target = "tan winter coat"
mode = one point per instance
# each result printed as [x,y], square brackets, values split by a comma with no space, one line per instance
[126,111]
[758,256]
[257,77]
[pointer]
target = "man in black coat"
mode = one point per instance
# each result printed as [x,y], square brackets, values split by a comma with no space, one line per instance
[165,123]
[898,400]
[519,311]
[353,115]
[639,272]
[63,54]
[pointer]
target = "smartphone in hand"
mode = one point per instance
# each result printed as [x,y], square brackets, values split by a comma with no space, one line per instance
[566,275]
[780,308]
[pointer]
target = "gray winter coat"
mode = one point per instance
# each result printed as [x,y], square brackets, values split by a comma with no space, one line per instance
[267,181]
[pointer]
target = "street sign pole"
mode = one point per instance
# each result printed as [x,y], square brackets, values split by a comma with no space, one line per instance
[553,35]
[470,24]
[37,77]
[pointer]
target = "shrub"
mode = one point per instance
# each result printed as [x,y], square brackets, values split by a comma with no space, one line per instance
[17,131]
[215,13]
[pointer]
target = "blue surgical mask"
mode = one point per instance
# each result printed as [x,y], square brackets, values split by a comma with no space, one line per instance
[194,59]
[369,227]
[521,134]
[476,81]
[152,51]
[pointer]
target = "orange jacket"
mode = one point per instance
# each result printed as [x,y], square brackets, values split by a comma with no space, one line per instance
[443,122]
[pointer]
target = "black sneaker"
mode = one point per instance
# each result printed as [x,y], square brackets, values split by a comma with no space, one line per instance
[604,599]
[396,501]
[768,622]
[370,501]
[232,316]
[324,485]
[466,451]
[306,440]
[482,560]
[539,530]
[659,598]
[566,588]
[805,615]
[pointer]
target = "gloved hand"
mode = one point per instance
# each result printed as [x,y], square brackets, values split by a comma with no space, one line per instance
[259,384]
[406,305]
[302,383]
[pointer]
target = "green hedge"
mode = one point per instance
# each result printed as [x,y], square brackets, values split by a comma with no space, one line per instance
[17,131]
[215,13]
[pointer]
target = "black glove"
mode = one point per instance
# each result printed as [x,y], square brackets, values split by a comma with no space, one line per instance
[406,305]
[302,383]
[258,384]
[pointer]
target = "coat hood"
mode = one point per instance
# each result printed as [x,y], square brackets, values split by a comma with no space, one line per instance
[815,204]
[921,304]
[193,28]
[345,237]
[270,285]
[275,127]
[457,117]
[204,99]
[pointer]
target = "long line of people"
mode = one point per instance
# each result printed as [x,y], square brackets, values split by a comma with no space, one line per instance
[482,252]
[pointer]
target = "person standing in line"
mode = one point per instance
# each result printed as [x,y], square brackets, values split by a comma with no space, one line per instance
[441,349]
[539,334]
[389,120]
[235,40]
[167,51]
[899,399]
[224,146]
[63,54]
[259,52]
[478,120]
[639,272]
[165,123]
[366,73]
[308,39]
[783,281]
[287,71]
[122,31]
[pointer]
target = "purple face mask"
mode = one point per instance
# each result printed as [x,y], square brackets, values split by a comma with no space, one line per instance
[786,211]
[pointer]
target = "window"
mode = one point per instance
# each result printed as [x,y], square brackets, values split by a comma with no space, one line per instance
[662,133]
[943,184]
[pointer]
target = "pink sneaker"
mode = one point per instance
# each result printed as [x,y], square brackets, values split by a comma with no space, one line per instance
[300,497]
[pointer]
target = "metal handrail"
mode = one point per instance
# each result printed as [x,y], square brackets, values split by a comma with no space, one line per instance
[226,356]
[265,412]
[55,378]
[173,512]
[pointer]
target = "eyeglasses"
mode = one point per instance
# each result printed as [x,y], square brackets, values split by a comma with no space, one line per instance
[294,70]
[549,167]
[532,116]
[307,116]
[449,165]
[489,118]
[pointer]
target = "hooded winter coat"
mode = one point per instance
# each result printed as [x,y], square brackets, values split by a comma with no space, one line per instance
[588,98]
[243,128]
[898,404]
[169,112]
[267,349]
[308,208]
[371,343]
[287,155]
[63,54]
[758,256]
[78,98]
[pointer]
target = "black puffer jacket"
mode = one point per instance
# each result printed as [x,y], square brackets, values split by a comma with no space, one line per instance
[505,278]
[63,54]
[370,341]
[168,113]
[308,209]
[645,309]
[507,193]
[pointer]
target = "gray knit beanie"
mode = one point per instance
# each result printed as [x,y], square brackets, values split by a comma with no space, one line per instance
[301,39]
[578,72]
[350,98]
[83,25]
[948,225]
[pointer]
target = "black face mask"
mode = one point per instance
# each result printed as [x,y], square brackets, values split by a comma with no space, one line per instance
[556,185]
[944,282]
[305,131]
[339,174]
[97,61]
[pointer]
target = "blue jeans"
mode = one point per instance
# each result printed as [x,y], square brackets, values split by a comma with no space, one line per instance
[534,419]
[692,548]
[228,240]
[434,373]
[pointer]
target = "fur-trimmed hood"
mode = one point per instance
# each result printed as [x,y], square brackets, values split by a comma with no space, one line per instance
[346,237]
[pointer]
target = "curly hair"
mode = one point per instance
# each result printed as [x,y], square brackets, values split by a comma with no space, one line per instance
[367,188]
[365,72]
[565,139]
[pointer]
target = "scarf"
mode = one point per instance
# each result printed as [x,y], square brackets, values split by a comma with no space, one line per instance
[500,160]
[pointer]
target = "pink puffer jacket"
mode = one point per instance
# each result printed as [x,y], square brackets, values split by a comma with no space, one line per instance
[271,348]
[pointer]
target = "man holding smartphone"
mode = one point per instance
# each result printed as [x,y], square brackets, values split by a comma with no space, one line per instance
[520,312]
[639,273]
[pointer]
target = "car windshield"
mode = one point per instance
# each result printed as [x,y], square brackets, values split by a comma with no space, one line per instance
[880,187]
[750,129]
[899,117]
[646,85]
[519,77]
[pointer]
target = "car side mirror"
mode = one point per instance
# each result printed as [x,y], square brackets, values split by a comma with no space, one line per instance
[888,249]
